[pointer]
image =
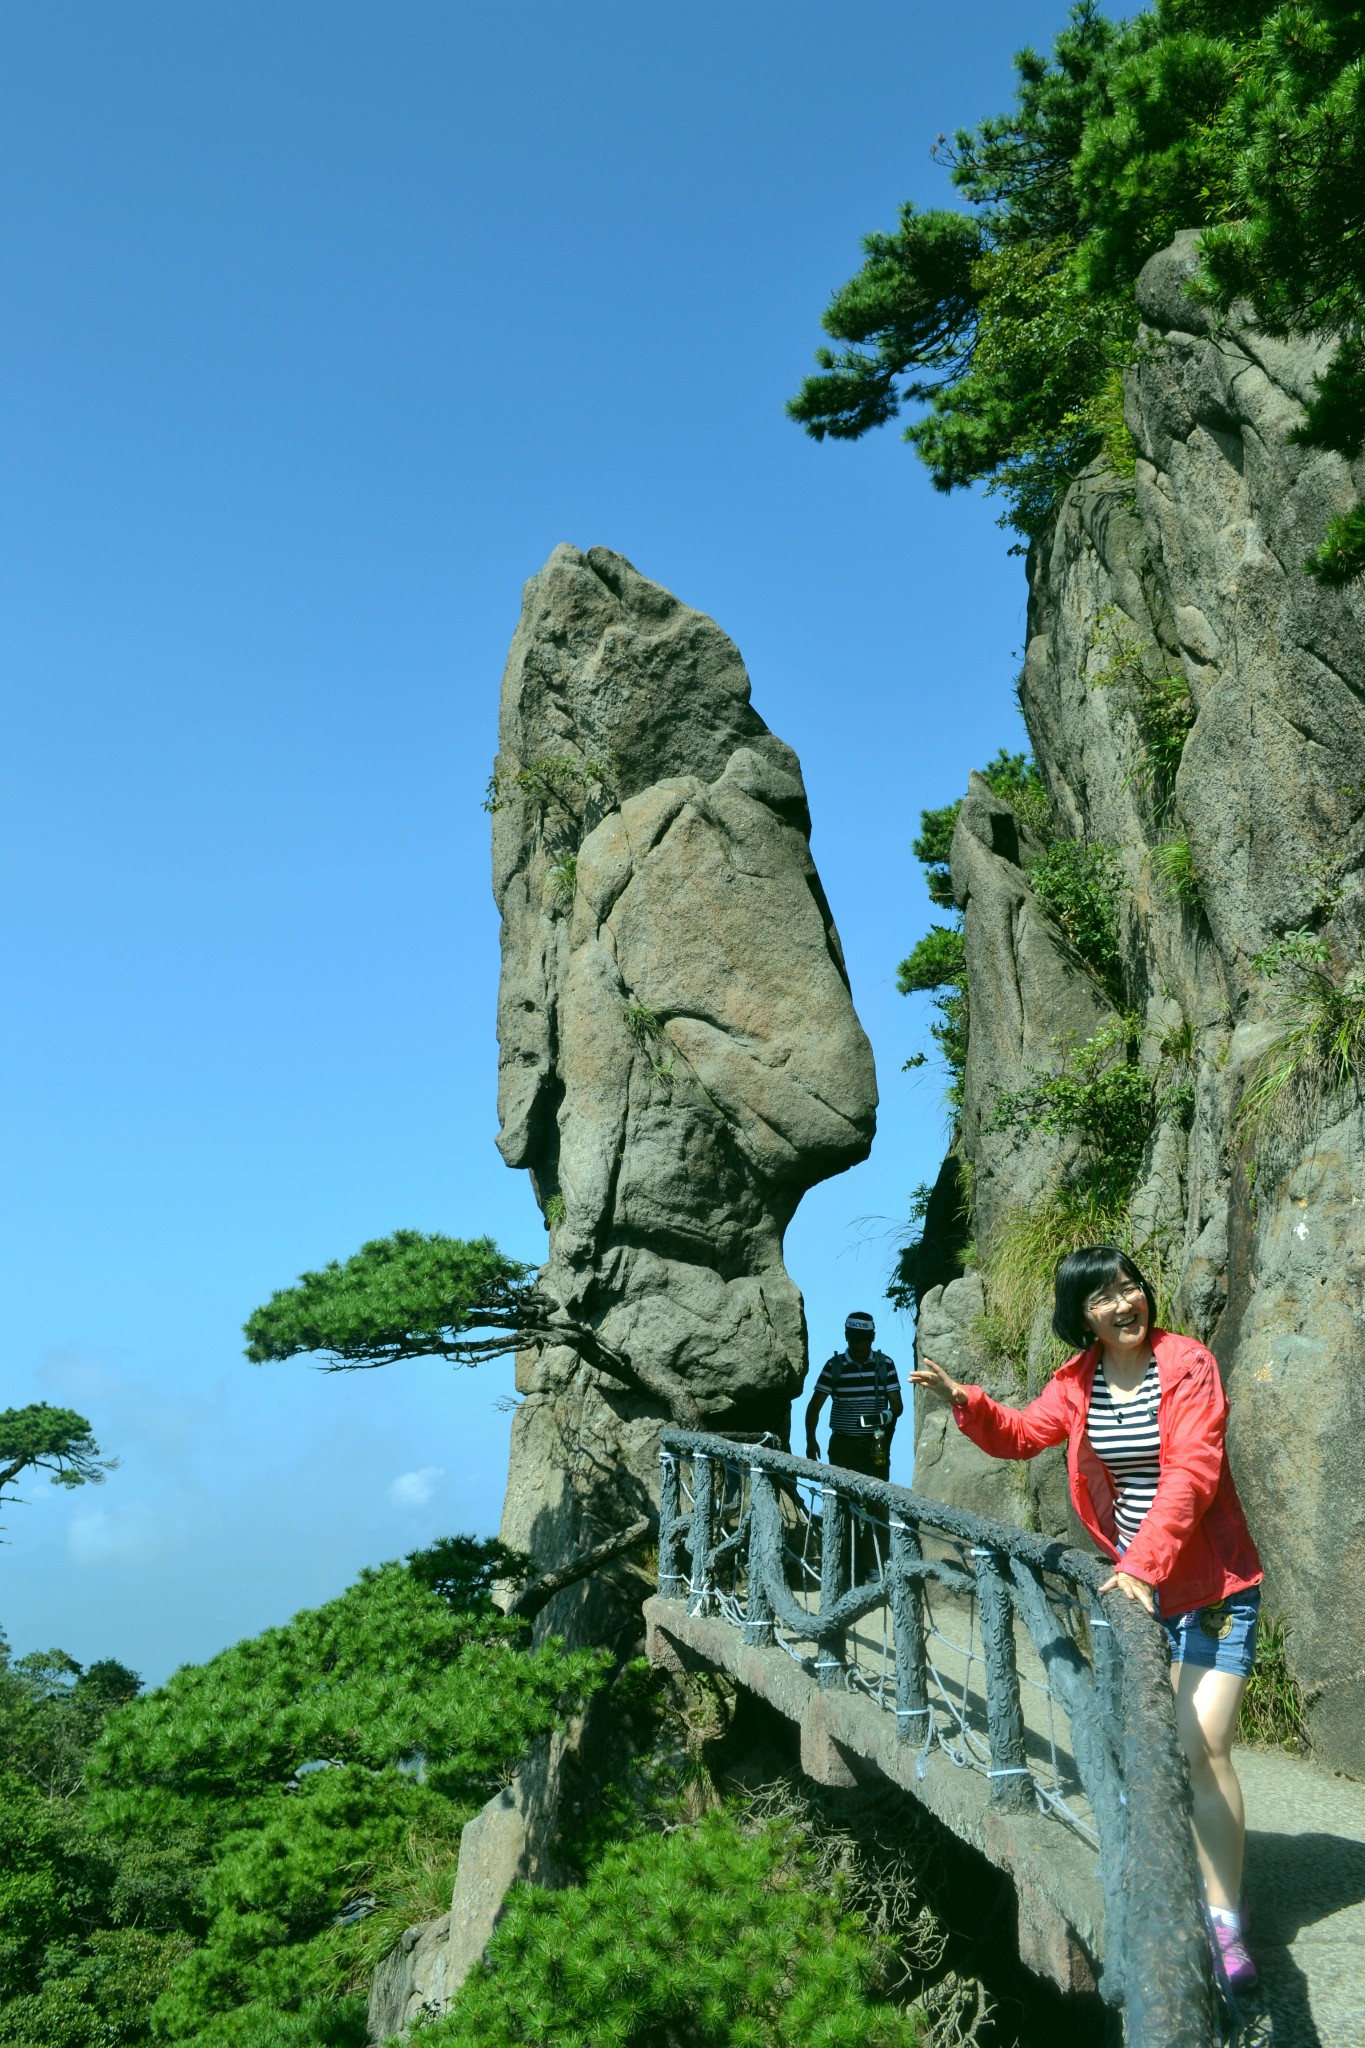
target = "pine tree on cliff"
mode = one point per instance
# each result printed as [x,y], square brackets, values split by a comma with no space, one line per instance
[1009,325]
[418,1296]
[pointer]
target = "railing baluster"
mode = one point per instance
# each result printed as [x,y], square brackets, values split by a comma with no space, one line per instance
[765,1555]
[906,1594]
[672,1580]
[834,1580]
[1011,1783]
[1105,1663]
[703,1531]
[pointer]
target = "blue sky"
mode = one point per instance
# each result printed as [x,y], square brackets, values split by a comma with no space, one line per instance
[325,322]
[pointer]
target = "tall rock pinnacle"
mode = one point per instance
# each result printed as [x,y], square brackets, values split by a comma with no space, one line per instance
[680,1058]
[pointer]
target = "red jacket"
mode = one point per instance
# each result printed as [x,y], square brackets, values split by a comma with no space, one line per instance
[1193,1546]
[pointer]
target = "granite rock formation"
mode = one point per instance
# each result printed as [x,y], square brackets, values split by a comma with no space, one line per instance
[1192,569]
[679,1054]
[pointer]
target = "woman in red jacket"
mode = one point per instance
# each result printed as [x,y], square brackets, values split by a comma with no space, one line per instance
[1143,1415]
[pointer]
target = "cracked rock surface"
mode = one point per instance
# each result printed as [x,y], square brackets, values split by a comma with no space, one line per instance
[679,1055]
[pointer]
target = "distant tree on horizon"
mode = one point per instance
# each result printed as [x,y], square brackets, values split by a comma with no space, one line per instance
[58,1441]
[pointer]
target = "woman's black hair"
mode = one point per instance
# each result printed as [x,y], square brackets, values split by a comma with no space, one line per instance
[1084,1273]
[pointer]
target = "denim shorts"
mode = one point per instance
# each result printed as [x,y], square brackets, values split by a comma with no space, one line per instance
[1217,1638]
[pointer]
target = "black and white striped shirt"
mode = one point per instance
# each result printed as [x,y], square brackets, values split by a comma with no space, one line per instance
[1127,1438]
[860,1391]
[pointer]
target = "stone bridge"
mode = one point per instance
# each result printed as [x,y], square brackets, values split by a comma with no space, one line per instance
[978,1667]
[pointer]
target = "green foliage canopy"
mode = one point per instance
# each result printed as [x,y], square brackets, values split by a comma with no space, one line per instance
[418,1296]
[170,1867]
[1007,323]
[462,1571]
[368,1679]
[58,1441]
[405,1296]
[706,1935]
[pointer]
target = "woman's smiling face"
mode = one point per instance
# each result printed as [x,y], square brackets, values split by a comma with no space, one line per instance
[1118,1315]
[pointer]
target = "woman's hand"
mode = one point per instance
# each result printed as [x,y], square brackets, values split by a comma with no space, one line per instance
[936,1381]
[1136,1589]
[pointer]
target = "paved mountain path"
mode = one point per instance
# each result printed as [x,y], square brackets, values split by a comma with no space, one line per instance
[1305,1878]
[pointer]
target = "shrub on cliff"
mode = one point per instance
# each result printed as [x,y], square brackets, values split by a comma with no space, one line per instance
[1008,324]
[711,1934]
[1078,884]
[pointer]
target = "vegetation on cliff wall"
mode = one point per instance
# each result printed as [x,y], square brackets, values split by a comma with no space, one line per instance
[1010,324]
[1096,1088]
[223,1861]
[714,1932]
[937,964]
[1318,1051]
[721,1898]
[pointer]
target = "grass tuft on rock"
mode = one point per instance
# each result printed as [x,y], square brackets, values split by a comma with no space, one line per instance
[1173,867]
[1273,1712]
[1020,1260]
[1318,1053]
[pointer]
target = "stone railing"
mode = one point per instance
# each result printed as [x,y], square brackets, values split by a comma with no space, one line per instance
[917,1606]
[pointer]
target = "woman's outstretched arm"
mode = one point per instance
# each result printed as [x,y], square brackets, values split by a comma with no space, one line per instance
[1002,1432]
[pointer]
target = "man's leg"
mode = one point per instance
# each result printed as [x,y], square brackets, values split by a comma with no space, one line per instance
[870,1533]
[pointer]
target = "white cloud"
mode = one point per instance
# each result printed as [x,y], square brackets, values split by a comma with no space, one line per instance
[129,1535]
[415,1489]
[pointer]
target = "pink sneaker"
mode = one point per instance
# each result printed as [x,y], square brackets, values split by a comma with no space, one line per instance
[1238,1967]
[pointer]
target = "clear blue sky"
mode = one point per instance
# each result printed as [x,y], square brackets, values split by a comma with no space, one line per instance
[325,322]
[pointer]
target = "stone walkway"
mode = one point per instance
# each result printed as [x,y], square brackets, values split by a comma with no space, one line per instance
[1306,1883]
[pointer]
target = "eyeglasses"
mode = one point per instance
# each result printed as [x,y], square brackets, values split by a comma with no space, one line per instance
[1116,1296]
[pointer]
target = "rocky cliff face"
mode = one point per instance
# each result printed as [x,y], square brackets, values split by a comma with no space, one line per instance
[1178,595]
[680,1059]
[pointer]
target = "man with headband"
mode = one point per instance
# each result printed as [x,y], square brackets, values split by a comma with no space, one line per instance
[861,1385]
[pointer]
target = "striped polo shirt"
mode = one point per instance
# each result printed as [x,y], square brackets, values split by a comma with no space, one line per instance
[1126,1437]
[855,1390]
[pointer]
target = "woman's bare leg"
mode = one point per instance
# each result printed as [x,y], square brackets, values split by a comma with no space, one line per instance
[1206,1704]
